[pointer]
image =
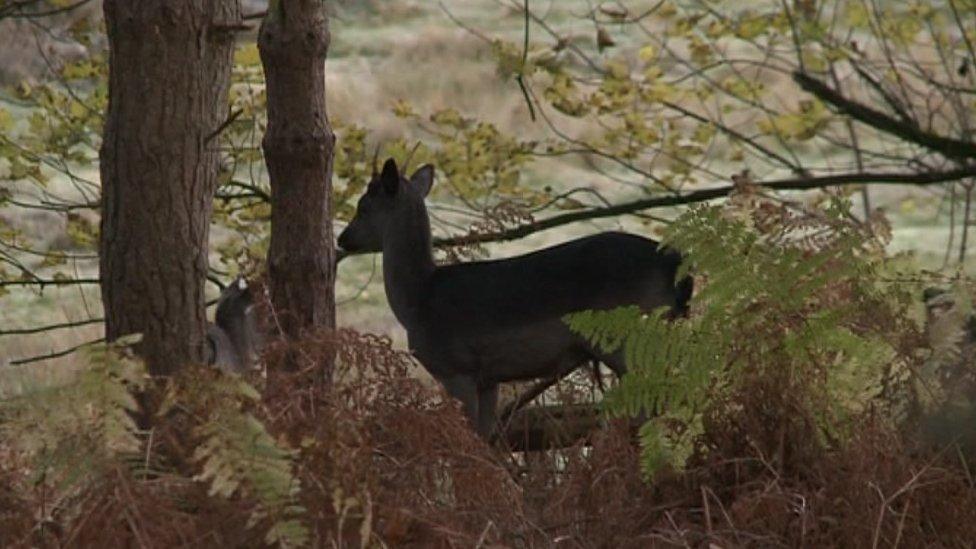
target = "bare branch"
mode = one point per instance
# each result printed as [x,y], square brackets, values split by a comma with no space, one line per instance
[948,147]
[54,354]
[50,327]
[48,282]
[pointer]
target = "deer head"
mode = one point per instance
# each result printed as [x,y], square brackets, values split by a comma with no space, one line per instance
[234,339]
[385,193]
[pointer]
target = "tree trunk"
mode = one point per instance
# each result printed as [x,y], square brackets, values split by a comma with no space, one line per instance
[298,148]
[169,74]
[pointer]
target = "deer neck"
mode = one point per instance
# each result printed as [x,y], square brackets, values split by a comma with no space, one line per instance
[408,261]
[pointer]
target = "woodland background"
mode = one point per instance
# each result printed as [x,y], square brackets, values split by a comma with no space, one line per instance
[819,395]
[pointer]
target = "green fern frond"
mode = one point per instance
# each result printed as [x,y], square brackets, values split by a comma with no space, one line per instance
[69,432]
[239,456]
[766,304]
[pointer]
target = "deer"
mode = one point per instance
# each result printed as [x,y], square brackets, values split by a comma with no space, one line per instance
[474,325]
[234,338]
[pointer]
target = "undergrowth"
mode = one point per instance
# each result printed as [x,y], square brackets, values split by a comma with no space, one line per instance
[805,402]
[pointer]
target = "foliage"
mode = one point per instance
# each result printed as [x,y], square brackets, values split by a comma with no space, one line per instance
[66,434]
[72,438]
[790,298]
[663,99]
[237,455]
[381,459]
[798,405]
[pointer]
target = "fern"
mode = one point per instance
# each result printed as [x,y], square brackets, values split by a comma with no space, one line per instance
[238,455]
[776,299]
[69,433]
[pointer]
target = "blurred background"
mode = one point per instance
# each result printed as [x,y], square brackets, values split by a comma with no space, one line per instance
[629,100]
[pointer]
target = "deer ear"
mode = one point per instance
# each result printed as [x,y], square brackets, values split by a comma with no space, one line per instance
[390,176]
[423,179]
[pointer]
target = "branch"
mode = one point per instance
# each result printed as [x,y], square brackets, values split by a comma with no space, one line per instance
[252,191]
[50,327]
[54,354]
[223,125]
[703,195]
[948,147]
[48,282]
[766,151]
[890,99]
[523,399]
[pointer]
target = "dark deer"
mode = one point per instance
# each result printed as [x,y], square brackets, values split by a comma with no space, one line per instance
[475,325]
[234,340]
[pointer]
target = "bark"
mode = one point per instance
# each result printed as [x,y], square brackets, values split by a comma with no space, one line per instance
[298,148]
[169,74]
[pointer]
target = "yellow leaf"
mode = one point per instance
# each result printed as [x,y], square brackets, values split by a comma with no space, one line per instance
[647,53]
[701,51]
[617,69]
[667,11]
[77,109]
[448,117]
[856,14]
[6,120]
[402,109]
[716,29]
[908,206]
[652,73]
[658,91]
[703,133]
[247,55]
[751,27]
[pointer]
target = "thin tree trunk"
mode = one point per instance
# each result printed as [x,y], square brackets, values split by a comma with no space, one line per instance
[968,186]
[298,148]
[169,74]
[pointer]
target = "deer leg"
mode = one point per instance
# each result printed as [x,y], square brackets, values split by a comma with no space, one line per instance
[464,389]
[487,403]
[614,361]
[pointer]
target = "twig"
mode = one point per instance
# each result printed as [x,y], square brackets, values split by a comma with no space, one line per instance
[254,190]
[856,147]
[952,225]
[525,57]
[963,244]
[473,31]
[891,100]
[528,396]
[54,354]
[48,282]
[223,125]
[946,146]
[50,327]
[799,170]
